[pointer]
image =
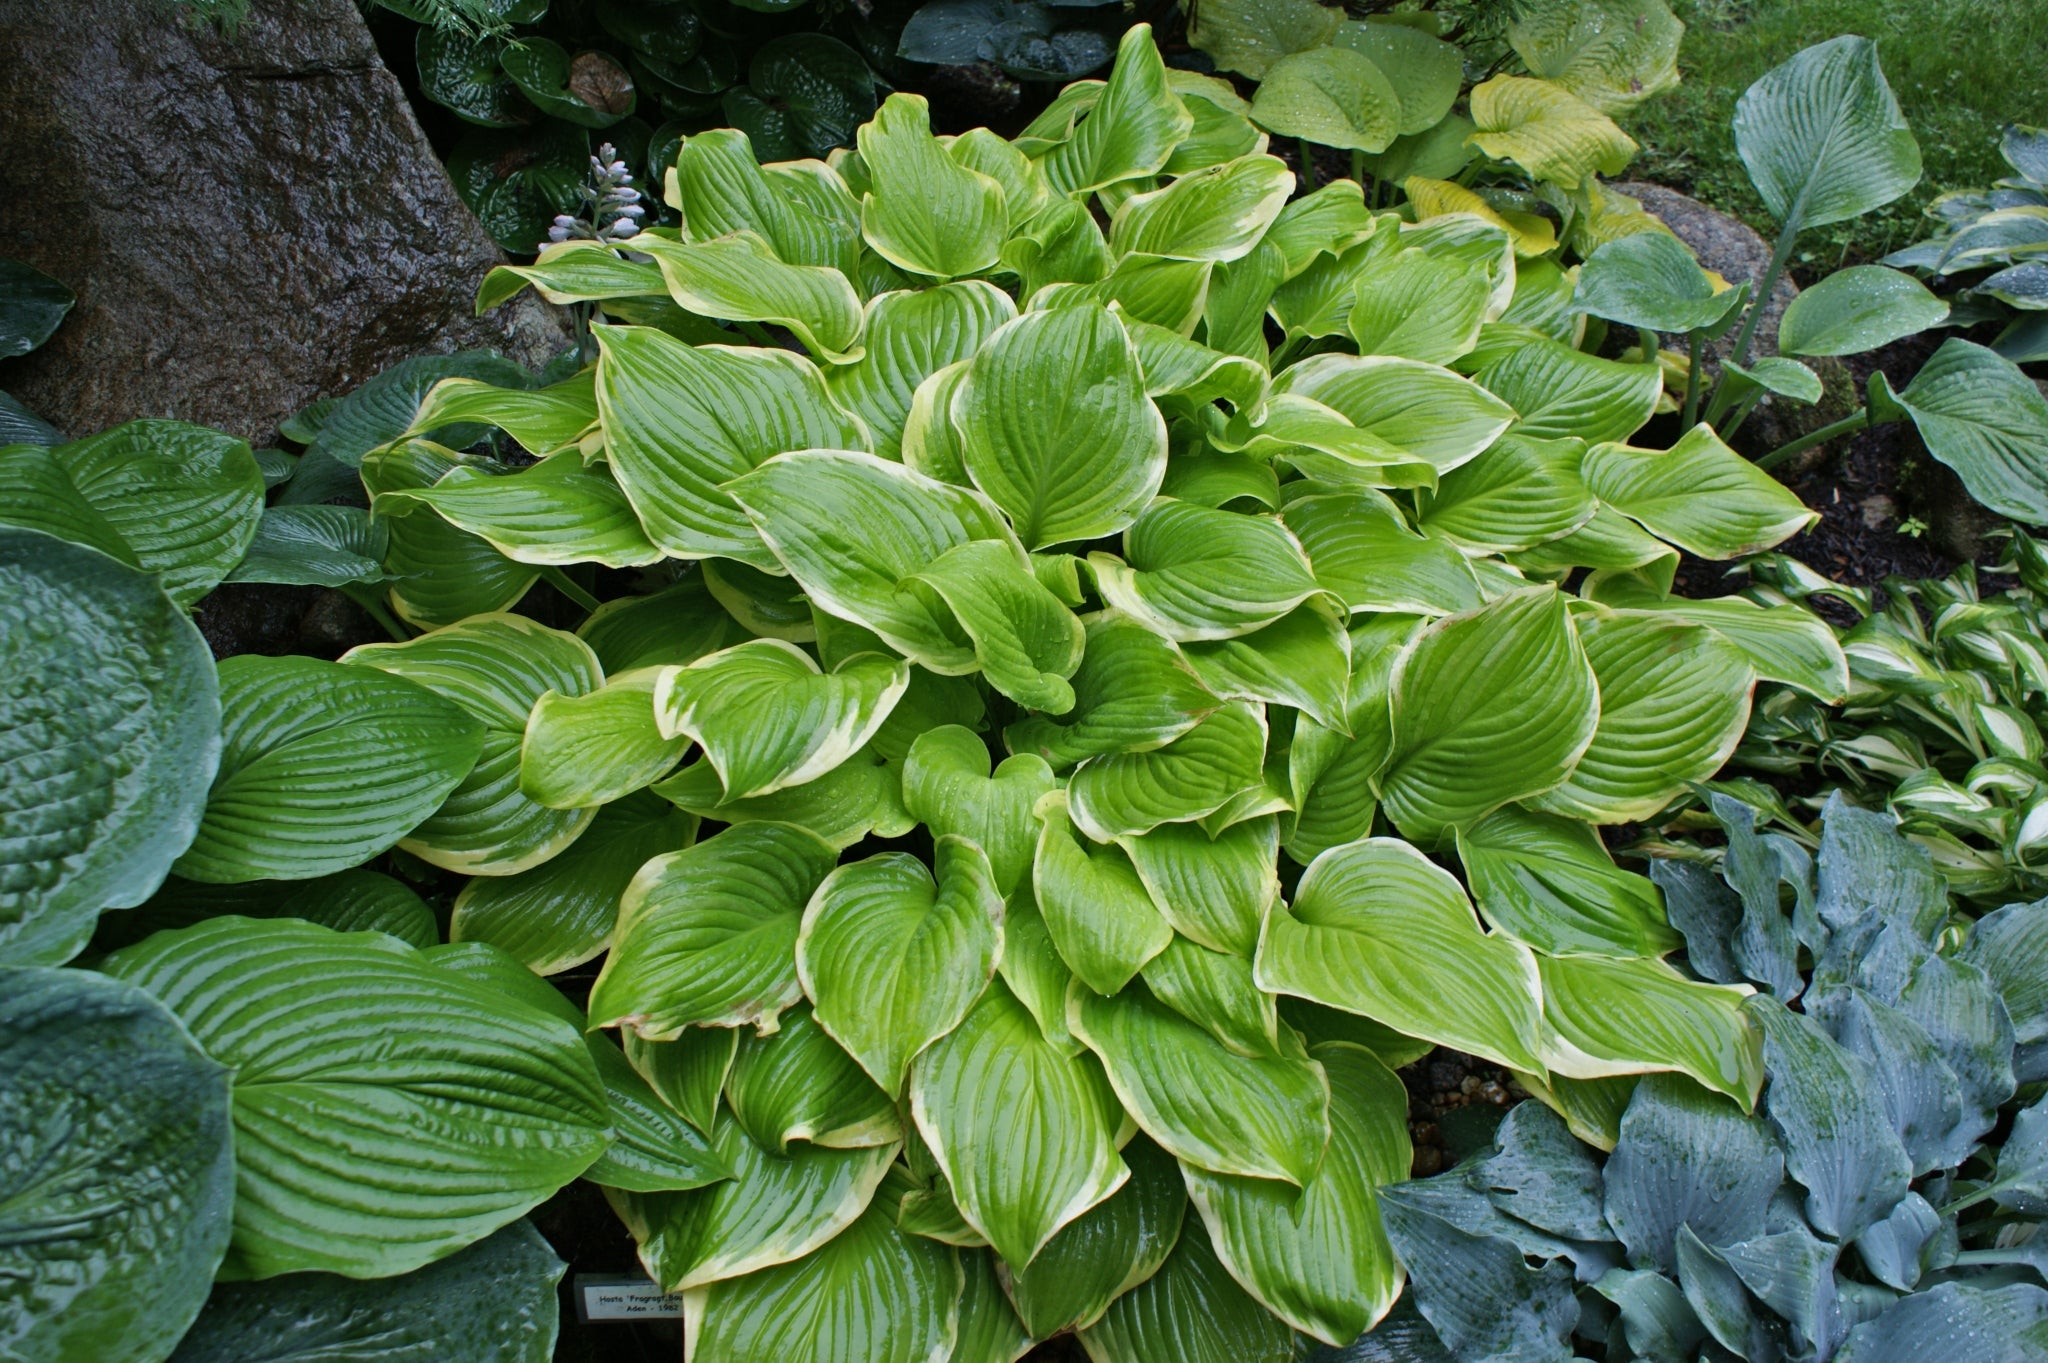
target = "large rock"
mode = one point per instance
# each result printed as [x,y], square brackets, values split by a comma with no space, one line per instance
[250,221]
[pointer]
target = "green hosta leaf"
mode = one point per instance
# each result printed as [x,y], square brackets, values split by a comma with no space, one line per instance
[1613,54]
[927,212]
[1610,542]
[185,499]
[1419,410]
[1375,929]
[361,1072]
[948,788]
[322,767]
[1193,1311]
[1775,374]
[681,420]
[1065,462]
[1858,309]
[1215,990]
[1425,71]
[1107,1250]
[1364,551]
[1031,965]
[1260,1117]
[581,750]
[46,500]
[678,624]
[440,574]
[739,278]
[1547,130]
[894,958]
[688,1073]
[1687,1158]
[1096,908]
[121,1171]
[316,546]
[804,218]
[1674,700]
[989,1330]
[1153,289]
[1133,692]
[911,335]
[1823,138]
[1217,213]
[1321,1261]
[1784,643]
[495,667]
[1132,129]
[541,420]
[591,89]
[562,912]
[796,1083]
[111,727]
[1650,279]
[1667,1022]
[1416,305]
[767,718]
[1561,392]
[1985,419]
[1213,889]
[1548,881]
[1223,130]
[774,1209]
[1176,367]
[378,413]
[859,796]
[1194,573]
[1517,495]
[1016,1126]
[554,512]
[1332,774]
[1247,36]
[572,272]
[707,935]
[1699,495]
[656,1149]
[36,305]
[1027,641]
[347,901]
[1491,706]
[1301,660]
[1332,96]
[1190,778]
[908,1288]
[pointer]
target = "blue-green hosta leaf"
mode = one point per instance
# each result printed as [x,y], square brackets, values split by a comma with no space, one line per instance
[561,913]
[681,420]
[911,335]
[1130,131]
[1687,1158]
[1332,775]
[1193,1311]
[768,718]
[1094,904]
[1477,1290]
[1858,309]
[557,511]
[1364,551]
[1217,213]
[322,767]
[541,420]
[1425,71]
[1416,305]
[1107,1250]
[1134,692]
[894,957]
[1784,643]
[1320,1259]
[739,278]
[1263,1117]
[1541,1175]
[1951,1320]
[319,546]
[1823,138]
[926,212]
[1654,1315]
[111,728]
[1985,419]
[948,787]
[121,1174]
[707,935]
[1561,392]
[1650,279]
[1302,660]
[1674,701]
[1921,1095]
[1518,494]
[1699,495]
[1865,865]
[1490,706]
[1190,572]
[1332,96]
[1423,411]
[362,1072]
[585,749]
[1606,1016]
[1194,776]
[1016,1125]
[439,574]
[1065,462]
[1613,54]
[1547,130]
[805,214]
[1378,930]
[495,667]
[773,1210]
[2010,946]
[1548,881]
[797,1084]
[903,1291]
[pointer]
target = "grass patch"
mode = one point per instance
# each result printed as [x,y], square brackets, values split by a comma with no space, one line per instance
[1962,69]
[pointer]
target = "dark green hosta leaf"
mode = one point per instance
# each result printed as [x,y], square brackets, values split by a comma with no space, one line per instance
[517,180]
[797,1084]
[1952,1320]
[708,935]
[1477,1291]
[1548,881]
[493,1302]
[590,89]
[46,499]
[805,95]
[19,424]
[382,409]
[362,1070]
[1191,1311]
[1687,1157]
[355,900]
[32,305]
[1107,1250]
[1542,1175]
[462,75]
[656,1148]
[1858,309]
[1650,279]
[1823,138]
[989,1331]
[1425,71]
[948,787]
[1985,419]
[120,1173]
[111,732]
[320,546]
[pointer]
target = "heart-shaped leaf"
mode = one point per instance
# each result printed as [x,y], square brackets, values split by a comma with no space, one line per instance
[1823,137]
[948,787]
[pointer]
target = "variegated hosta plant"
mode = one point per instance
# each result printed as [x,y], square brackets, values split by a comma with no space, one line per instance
[1101,736]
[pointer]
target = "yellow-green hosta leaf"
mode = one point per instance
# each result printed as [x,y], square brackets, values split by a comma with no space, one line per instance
[1422,410]
[1302,660]
[1179,368]
[496,667]
[1547,880]
[708,935]
[1331,773]
[1674,701]
[1985,419]
[1520,493]
[907,1290]
[797,1084]
[926,211]
[1192,1311]
[1332,96]
[1066,462]
[1650,279]
[1215,991]
[1095,907]
[768,718]
[1016,1126]
[1562,393]
[440,574]
[1264,1118]
[1134,692]
[1609,542]
[1164,292]
[739,278]
[911,335]
[1025,638]
[1060,244]
[1321,1261]
[1024,189]
[1614,54]
[1217,213]
[1132,129]
[859,796]
[1223,129]
[1107,1250]
[1329,221]
[1214,889]
[572,272]
[1699,495]
[1543,300]
[1490,706]
[562,912]
[681,420]
[1425,71]
[1605,1016]
[948,787]
[581,750]
[893,957]
[1034,970]
[1822,135]
[1322,443]
[1547,130]
[1364,551]
[1418,306]
[931,442]
[553,512]
[541,420]
[1192,777]
[1785,644]
[722,188]
[1376,929]
[1191,572]
[689,1072]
